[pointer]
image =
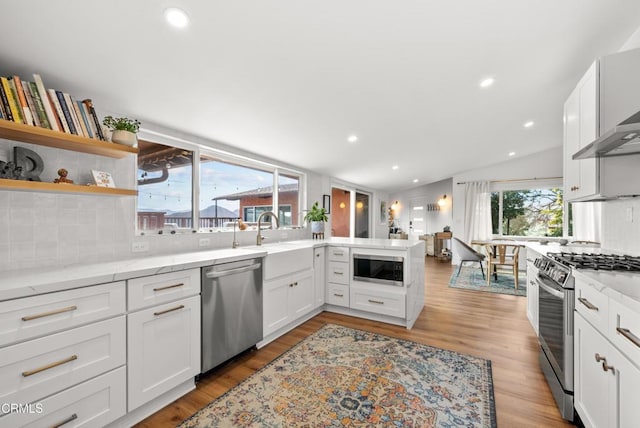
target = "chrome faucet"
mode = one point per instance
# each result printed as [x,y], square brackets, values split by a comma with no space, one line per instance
[260,237]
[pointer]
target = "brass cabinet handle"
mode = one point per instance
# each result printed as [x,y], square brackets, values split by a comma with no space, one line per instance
[335,253]
[48,314]
[338,295]
[49,366]
[169,286]
[627,333]
[66,421]
[588,304]
[600,358]
[177,308]
[338,273]
[377,302]
[606,367]
[293,284]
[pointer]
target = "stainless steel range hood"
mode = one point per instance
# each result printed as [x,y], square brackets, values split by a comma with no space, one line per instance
[623,139]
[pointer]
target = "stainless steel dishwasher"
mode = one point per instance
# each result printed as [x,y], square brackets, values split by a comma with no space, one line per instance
[231,310]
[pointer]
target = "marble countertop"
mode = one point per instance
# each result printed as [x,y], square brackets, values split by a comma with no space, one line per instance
[623,287]
[554,247]
[27,282]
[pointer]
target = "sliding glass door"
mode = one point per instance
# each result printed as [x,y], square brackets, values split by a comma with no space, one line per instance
[350,213]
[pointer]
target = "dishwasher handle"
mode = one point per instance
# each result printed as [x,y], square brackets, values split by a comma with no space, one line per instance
[221,273]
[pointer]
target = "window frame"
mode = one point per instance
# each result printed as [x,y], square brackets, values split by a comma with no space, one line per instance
[200,150]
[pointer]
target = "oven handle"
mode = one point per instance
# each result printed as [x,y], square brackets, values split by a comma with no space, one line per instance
[555,293]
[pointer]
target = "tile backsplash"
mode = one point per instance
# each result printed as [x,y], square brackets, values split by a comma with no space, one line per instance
[621,226]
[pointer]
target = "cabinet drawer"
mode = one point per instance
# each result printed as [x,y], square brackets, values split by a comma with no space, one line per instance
[163,349]
[624,330]
[378,301]
[41,367]
[338,295]
[30,317]
[166,287]
[592,304]
[338,273]
[94,403]
[338,254]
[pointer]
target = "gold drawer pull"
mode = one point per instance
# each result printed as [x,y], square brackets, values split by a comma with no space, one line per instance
[48,314]
[168,287]
[338,295]
[338,273]
[177,308]
[66,421]
[335,253]
[627,333]
[49,366]
[607,367]
[588,304]
[377,302]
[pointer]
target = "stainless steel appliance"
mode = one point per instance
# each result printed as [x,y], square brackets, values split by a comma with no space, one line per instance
[556,305]
[380,269]
[231,310]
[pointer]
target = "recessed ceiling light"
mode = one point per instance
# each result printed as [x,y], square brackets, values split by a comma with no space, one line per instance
[352,138]
[487,82]
[176,17]
[394,167]
[415,180]
[529,124]
[512,153]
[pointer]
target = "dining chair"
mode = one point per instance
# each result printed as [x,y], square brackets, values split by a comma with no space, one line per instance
[466,254]
[502,255]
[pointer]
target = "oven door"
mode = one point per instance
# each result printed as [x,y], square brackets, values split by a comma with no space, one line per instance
[556,328]
[388,270]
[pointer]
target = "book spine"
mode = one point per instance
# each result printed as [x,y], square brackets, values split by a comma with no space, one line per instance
[53,97]
[91,127]
[39,105]
[31,104]
[26,111]
[78,114]
[72,113]
[5,103]
[94,116]
[16,100]
[66,112]
[12,101]
[51,116]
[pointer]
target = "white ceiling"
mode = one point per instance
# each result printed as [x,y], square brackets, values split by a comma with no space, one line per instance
[292,79]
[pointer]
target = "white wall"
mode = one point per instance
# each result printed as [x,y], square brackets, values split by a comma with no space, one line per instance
[422,195]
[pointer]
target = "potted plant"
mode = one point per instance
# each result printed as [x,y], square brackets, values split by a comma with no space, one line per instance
[123,130]
[316,216]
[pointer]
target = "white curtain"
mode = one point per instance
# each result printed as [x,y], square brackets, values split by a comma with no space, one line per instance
[477,211]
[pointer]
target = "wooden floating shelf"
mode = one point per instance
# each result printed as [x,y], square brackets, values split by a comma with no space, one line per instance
[41,186]
[60,140]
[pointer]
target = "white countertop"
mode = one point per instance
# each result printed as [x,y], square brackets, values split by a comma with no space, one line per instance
[623,287]
[22,283]
[554,247]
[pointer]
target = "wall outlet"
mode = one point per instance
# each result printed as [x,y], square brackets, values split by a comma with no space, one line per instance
[629,214]
[140,247]
[205,242]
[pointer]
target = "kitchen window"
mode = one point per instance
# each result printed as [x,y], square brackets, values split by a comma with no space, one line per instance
[533,212]
[188,187]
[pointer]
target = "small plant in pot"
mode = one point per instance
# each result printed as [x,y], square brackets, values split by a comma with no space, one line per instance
[316,216]
[123,130]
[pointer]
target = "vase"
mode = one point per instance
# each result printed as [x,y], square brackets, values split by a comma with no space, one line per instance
[126,138]
[317,227]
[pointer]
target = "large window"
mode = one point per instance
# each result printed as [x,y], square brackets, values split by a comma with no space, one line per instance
[530,212]
[192,188]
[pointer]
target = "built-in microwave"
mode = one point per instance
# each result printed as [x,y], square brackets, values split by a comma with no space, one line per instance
[388,270]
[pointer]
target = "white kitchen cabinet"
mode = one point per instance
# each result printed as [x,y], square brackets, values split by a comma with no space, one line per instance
[379,299]
[163,348]
[532,296]
[287,299]
[153,290]
[580,129]
[606,382]
[319,276]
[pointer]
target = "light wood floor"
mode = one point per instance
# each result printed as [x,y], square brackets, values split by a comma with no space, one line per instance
[492,326]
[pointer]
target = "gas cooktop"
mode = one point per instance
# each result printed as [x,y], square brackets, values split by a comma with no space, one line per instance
[597,261]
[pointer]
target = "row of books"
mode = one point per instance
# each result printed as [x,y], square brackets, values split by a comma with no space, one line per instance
[34,105]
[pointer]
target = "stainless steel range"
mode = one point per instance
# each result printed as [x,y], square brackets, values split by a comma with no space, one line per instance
[556,305]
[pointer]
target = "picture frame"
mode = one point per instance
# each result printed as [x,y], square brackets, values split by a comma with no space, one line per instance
[103,179]
[326,203]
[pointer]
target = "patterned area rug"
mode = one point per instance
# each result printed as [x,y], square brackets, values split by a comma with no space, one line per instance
[341,377]
[471,278]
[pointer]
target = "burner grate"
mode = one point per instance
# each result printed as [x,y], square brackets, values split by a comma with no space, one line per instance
[597,261]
